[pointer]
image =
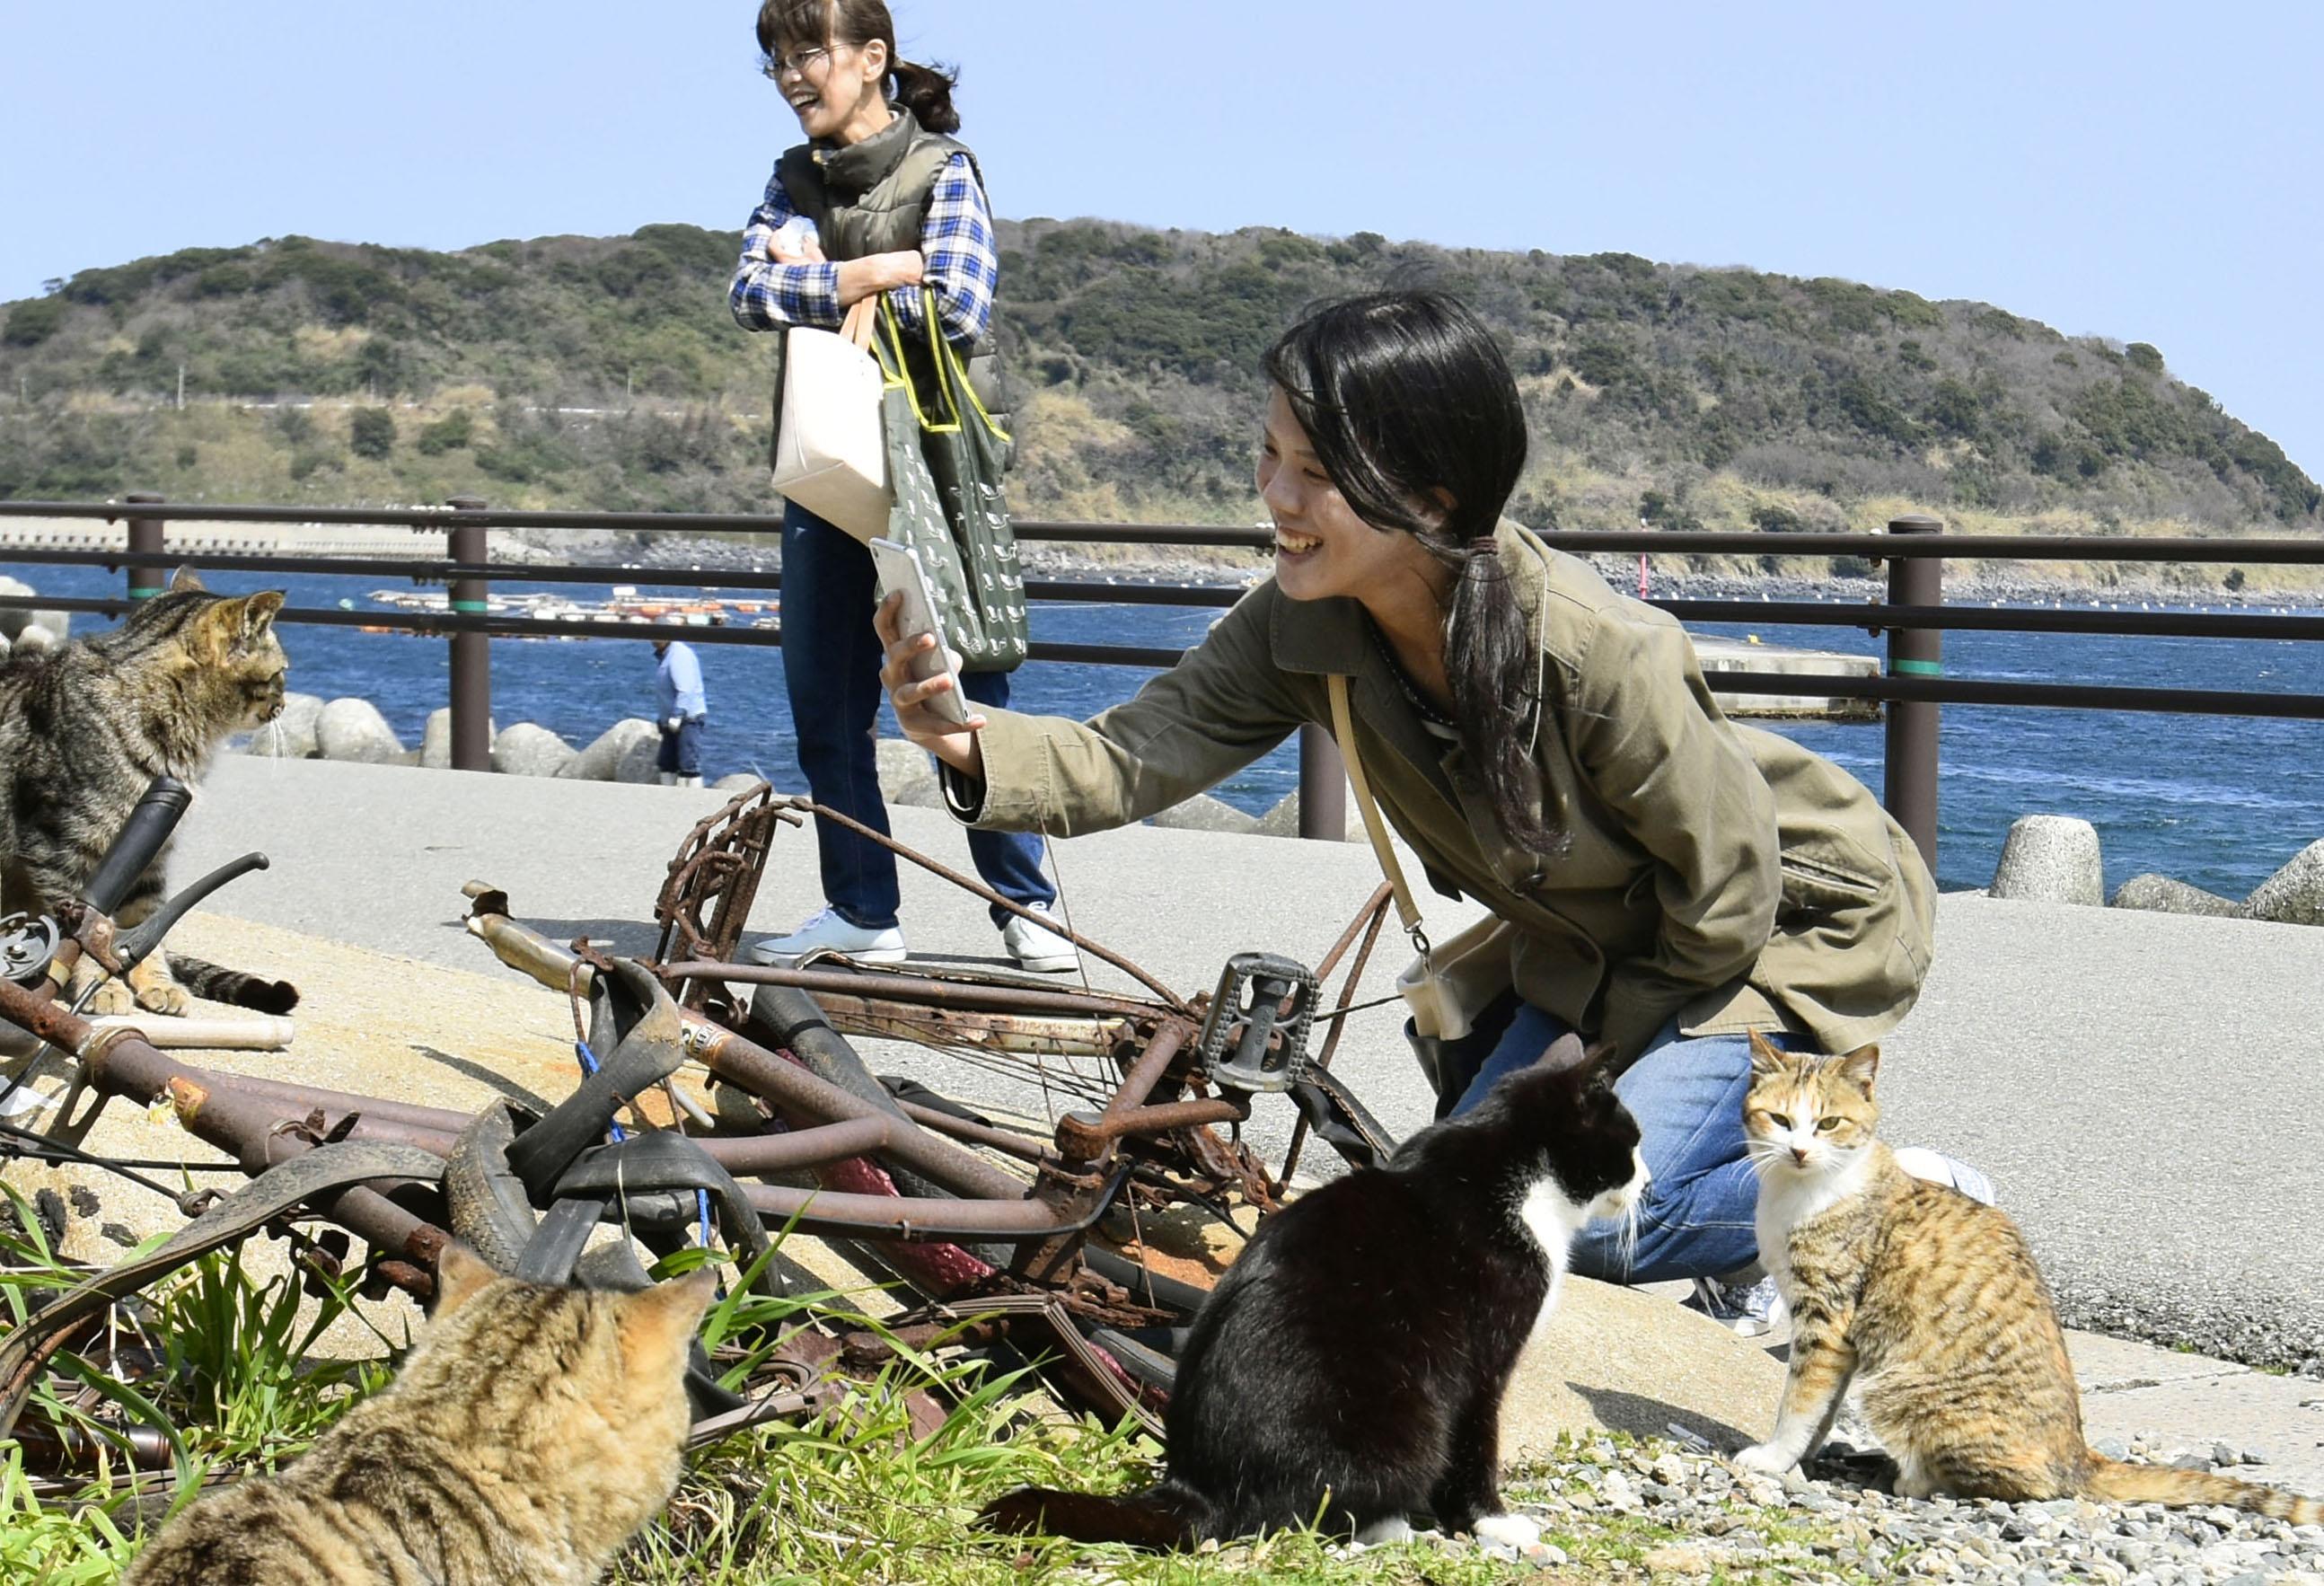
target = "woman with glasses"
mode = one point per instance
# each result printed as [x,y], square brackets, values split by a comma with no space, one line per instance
[878,199]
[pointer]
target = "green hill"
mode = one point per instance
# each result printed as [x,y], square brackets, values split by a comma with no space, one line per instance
[588,372]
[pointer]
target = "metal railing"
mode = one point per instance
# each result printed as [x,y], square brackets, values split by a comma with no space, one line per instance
[1912,617]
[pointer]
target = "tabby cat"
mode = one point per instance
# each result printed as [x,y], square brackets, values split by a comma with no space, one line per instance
[1931,1304]
[532,1432]
[1349,1369]
[84,727]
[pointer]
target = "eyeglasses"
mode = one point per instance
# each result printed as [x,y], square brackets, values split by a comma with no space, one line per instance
[778,66]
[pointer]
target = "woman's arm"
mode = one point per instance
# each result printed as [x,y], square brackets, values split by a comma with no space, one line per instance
[1684,787]
[774,286]
[1221,707]
[964,266]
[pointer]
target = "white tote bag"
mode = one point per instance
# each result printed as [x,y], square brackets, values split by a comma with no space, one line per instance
[831,451]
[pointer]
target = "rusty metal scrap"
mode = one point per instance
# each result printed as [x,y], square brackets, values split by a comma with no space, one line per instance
[1149,1143]
[713,879]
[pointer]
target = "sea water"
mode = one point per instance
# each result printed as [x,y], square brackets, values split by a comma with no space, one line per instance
[2217,802]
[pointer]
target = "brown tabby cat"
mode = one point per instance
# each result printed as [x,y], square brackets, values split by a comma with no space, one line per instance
[86,726]
[1930,1302]
[532,1432]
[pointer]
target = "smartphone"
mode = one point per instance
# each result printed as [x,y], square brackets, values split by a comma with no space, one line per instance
[898,566]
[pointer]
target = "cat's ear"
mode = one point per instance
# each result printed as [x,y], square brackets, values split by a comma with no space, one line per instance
[1767,1059]
[185,578]
[1564,1056]
[1861,1067]
[1599,1066]
[258,613]
[461,1275]
[657,1323]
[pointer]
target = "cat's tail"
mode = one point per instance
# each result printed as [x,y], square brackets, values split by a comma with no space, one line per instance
[2169,1484]
[216,983]
[1161,1518]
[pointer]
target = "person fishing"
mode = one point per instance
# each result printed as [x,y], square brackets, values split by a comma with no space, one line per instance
[1671,880]
[879,198]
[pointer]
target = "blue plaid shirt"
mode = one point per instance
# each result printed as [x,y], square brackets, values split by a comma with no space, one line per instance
[956,238]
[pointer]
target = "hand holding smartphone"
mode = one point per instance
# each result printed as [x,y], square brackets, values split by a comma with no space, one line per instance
[900,569]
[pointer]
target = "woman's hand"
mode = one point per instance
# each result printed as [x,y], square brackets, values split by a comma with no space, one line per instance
[807,251]
[956,746]
[878,273]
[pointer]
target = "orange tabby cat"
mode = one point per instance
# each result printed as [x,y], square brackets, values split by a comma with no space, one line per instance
[1930,1303]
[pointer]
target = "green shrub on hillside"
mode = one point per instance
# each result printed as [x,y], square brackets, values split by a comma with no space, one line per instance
[455,429]
[371,433]
[32,322]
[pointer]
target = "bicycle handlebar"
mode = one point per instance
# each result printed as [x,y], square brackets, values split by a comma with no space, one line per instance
[132,948]
[141,838]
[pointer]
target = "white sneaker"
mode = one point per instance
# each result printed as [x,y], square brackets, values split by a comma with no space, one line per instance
[1937,1168]
[1037,948]
[831,929]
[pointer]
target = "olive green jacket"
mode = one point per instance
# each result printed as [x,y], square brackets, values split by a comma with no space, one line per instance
[1717,873]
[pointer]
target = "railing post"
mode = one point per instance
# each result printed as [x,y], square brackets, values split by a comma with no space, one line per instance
[471,653]
[1911,775]
[145,582]
[1322,785]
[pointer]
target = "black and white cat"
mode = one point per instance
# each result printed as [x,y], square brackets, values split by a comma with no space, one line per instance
[1352,1362]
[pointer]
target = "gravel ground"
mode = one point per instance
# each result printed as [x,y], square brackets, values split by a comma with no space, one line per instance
[1834,1528]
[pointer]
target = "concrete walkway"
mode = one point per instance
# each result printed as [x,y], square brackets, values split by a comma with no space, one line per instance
[2143,1089]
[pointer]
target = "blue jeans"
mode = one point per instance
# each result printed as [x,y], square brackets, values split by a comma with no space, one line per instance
[1699,1218]
[831,669]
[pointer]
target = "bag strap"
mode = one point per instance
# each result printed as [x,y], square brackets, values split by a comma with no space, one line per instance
[1344,728]
[892,326]
[948,362]
[952,380]
[857,326]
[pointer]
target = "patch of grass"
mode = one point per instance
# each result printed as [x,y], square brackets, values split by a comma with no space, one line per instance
[215,1359]
[855,1497]
[50,1546]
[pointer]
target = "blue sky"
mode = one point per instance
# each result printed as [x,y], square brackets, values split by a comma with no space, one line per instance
[2150,172]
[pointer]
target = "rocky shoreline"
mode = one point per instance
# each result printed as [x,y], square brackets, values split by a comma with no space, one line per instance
[1964,581]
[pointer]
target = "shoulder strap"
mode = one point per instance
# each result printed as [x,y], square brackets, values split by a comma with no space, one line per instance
[1344,728]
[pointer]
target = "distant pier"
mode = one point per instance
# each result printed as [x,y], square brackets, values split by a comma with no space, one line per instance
[198,539]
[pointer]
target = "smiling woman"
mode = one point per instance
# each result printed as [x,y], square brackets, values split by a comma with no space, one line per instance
[1669,881]
[879,200]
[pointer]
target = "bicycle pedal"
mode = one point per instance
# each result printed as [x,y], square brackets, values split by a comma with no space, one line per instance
[1249,1040]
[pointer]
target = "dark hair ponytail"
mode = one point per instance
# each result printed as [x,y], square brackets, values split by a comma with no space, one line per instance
[1407,400]
[924,90]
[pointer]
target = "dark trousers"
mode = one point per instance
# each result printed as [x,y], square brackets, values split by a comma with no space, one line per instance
[681,751]
[831,667]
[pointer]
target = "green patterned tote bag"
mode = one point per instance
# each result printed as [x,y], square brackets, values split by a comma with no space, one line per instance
[944,460]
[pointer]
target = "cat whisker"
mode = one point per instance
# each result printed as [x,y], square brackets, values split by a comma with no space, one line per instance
[1629,1241]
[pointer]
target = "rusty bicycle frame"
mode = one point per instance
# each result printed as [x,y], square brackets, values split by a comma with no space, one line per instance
[1152,1139]
[998,1252]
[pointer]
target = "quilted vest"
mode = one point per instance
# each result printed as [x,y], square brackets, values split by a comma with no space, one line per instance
[873,197]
